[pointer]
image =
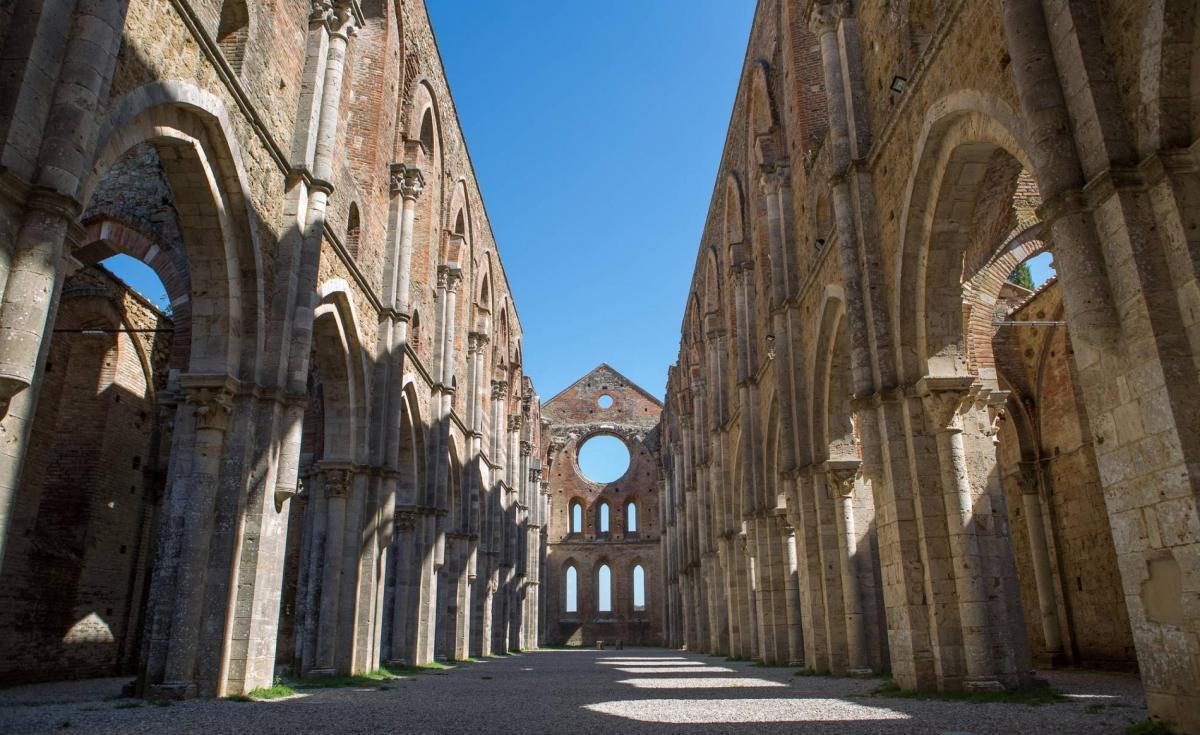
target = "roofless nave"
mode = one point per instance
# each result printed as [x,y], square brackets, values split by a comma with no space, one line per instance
[876,454]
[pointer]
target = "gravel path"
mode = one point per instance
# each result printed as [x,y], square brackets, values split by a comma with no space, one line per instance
[630,691]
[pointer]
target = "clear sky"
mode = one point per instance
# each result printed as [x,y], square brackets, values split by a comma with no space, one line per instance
[596,129]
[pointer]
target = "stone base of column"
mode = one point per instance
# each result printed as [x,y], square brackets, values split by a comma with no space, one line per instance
[860,672]
[174,690]
[322,673]
[396,663]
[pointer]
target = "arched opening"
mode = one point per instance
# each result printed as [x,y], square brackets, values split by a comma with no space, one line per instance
[233,31]
[353,231]
[631,517]
[453,593]
[602,514]
[165,189]
[330,516]
[415,335]
[603,458]
[604,589]
[402,591]
[1001,405]
[427,132]
[639,588]
[571,590]
[576,517]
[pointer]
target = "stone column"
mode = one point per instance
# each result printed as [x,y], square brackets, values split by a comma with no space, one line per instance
[794,619]
[407,557]
[1039,552]
[211,401]
[336,482]
[841,477]
[945,400]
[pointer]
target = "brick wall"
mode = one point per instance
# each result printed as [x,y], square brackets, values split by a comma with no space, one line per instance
[84,525]
[573,417]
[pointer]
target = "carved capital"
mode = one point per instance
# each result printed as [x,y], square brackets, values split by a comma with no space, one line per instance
[944,400]
[826,16]
[499,389]
[407,181]
[336,479]
[515,421]
[211,402]
[449,277]
[526,449]
[774,179]
[406,520]
[840,476]
[337,16]
[994,401]
[535,474]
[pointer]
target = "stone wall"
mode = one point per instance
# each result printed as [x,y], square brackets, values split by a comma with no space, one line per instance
[1045,451]
[956,139]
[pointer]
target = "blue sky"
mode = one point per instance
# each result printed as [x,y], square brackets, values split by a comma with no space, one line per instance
[596,130]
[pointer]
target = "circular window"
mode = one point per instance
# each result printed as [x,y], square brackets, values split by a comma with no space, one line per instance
[603,458]
[605,401]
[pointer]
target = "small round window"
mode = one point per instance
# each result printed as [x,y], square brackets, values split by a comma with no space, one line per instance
[605,401]
[603,458]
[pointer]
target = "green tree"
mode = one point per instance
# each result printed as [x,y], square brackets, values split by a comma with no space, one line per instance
[1022,277]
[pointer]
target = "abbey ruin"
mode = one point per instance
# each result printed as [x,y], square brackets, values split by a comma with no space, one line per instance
[877,454]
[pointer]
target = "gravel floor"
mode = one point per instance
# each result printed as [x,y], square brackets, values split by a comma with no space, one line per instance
[630,691]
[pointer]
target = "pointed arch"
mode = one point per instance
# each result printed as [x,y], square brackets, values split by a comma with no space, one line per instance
[233,32]
[341,363]
[832,430]
[411,465]
[734,231]
[191,133]
[960,133]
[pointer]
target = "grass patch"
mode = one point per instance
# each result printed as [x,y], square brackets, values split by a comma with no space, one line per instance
[1149,727]
[278,690]
[375,678]
[1032,696]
